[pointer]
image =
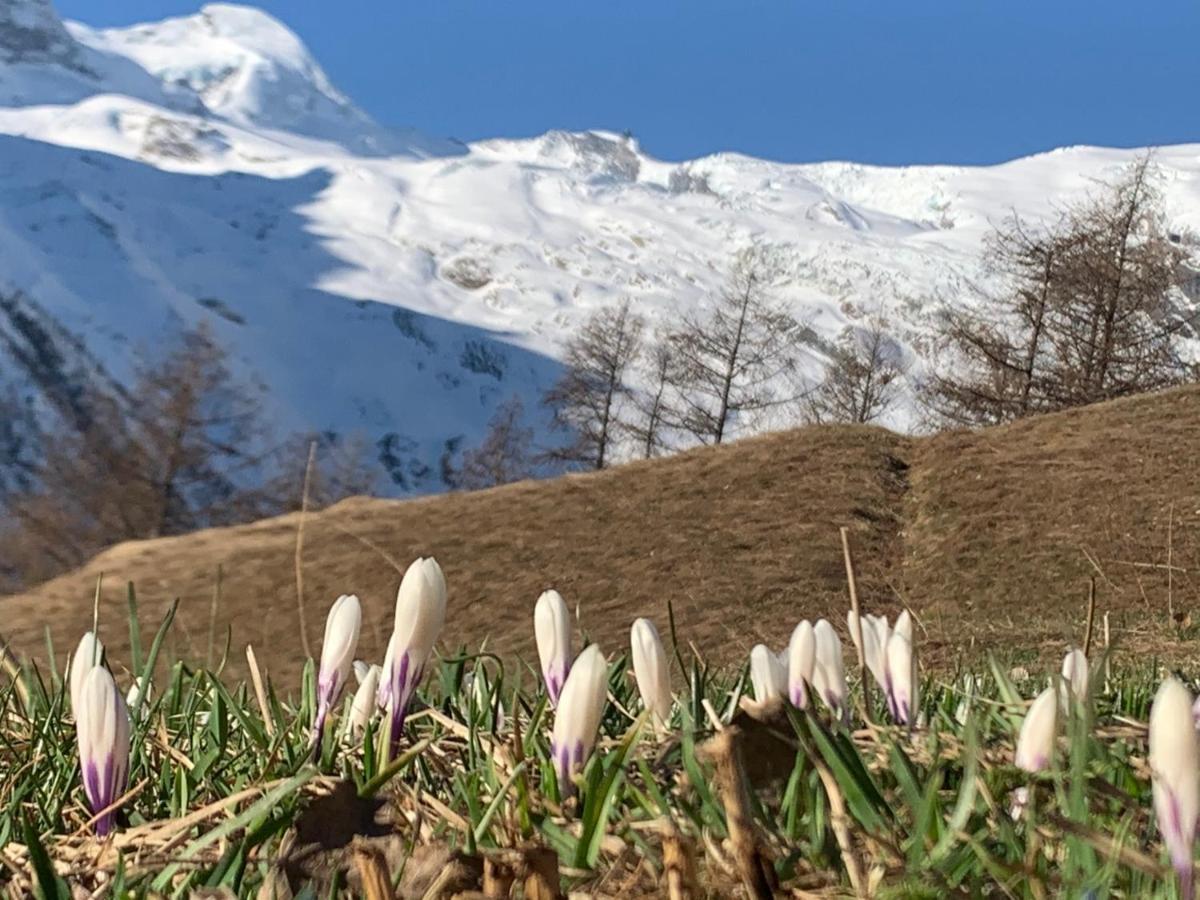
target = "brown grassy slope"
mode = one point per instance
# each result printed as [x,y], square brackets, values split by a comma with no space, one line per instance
[1004,527]
[743,539]
[986,535]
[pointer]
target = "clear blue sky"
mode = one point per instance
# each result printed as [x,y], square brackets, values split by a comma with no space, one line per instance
[967,81]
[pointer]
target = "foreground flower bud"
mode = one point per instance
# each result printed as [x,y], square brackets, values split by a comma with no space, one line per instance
[420,614]
[1175,769]
[577,717]
[802,656]
[88,654]
[902,680]
[651,670]
[1075,677]
[767,674]
[342,626]
[829,672]
[102,730]
[552,631]
[875,636]
[362,707]
[1035,742]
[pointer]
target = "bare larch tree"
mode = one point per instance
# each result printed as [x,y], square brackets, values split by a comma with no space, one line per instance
[728,361]
[1090,310]
[586,400]
[861,381]
[652,421]
[505,454]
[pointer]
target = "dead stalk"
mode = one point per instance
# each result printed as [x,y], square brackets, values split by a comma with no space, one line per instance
[857,626]
[308,467]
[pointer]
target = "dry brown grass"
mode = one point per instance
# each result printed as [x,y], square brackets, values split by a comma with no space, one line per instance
[986,535]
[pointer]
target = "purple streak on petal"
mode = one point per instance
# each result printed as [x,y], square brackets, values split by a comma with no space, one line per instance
[800,695]
[403,685]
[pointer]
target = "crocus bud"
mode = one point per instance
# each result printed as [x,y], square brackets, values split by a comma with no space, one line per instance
[1075,677]
[902,680]
[577,717]
[1175,769]
[362,707]
[552,630]
[337,656]
[829,672]
[651,670]
[903,625]
[802,656]
[88,654]
[420,614]
[102,729]
[767,674]
[361,668]
[874,646]
[1035,742]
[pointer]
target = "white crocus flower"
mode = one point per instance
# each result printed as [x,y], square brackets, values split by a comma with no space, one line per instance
[102,730]
[652,671]
[1075,677]
[767,674]
[577,717]
[420,614]
[362,707]
[802,656]
[1175,769]
[829,672]
[1035,742]
[552,631]
[342,627]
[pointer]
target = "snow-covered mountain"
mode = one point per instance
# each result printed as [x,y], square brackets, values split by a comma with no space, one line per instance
[397,286]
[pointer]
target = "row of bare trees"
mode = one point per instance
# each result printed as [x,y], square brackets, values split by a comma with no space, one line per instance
[182,448]
[1085,309]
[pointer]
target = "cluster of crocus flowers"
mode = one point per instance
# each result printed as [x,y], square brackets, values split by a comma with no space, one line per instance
[102,729]
[1175,770]
[577,715]
[552,632]
[652,671]
[342,627]
[890,657]
[420,614]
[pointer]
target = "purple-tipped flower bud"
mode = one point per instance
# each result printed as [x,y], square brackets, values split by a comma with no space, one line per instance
[102,729]
[552,631]
[342,627]
[577,717]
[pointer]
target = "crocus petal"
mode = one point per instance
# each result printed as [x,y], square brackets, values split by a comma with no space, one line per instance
[1035,742]
[651,670]
[1175,769]
[88,654]
[552,632]
[577,717]
[802,656]
[902,680]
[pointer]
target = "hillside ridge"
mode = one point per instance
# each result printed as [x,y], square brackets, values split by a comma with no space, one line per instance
[987,535]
